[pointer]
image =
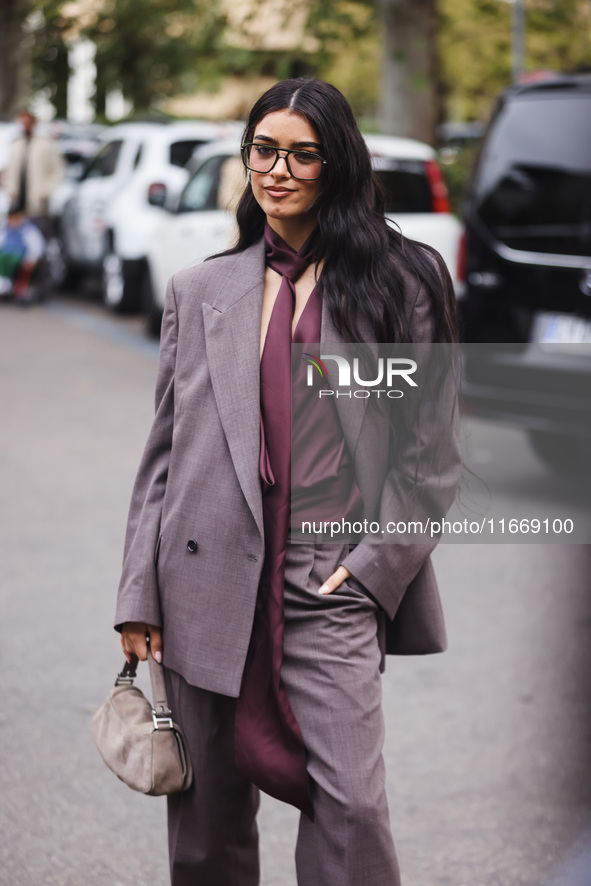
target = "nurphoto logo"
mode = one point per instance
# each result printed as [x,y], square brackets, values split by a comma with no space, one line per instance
[389,371]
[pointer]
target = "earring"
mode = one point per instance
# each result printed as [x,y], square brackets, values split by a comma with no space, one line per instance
[249,177]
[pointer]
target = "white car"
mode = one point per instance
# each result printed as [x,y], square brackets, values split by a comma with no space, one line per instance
[78,143]
[109,219]
[202,222]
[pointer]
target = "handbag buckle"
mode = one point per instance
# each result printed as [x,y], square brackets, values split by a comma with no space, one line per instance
[123,681]
[126,676]
[161,719]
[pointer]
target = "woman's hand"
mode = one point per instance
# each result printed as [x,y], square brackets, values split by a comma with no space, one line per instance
[333,581]
[133,640]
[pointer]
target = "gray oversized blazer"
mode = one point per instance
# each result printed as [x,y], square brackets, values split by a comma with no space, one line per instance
[194,544]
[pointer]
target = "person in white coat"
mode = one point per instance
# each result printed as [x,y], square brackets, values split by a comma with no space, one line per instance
[35,168]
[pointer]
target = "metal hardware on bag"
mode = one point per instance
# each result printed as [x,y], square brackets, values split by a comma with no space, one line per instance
[122,680]
[159,720]
[126,676]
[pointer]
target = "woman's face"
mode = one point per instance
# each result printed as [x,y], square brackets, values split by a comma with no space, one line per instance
[283,198]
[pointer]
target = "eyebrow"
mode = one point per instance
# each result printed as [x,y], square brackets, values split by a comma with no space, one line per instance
[304,144]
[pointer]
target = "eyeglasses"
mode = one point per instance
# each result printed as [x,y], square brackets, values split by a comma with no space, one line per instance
[302,165]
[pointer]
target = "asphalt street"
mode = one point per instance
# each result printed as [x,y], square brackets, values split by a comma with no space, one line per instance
[488,746]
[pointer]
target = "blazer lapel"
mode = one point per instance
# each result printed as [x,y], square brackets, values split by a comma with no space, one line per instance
[232,325]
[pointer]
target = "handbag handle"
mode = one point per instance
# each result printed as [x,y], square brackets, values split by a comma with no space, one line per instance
[162,715]
[161,712]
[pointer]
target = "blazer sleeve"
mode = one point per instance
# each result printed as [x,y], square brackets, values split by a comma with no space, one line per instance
[138,590]
[387,569]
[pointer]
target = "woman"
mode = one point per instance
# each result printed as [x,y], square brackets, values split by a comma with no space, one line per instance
[272,651]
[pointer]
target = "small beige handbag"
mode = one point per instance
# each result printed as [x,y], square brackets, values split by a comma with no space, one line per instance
[140,743]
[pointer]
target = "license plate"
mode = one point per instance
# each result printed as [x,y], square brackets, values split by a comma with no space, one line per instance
[564,332]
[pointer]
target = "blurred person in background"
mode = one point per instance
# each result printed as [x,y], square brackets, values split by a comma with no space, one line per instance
[21,249]
[35,168]
[272,650]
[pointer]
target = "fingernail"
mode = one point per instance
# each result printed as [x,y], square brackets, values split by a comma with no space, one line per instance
[324,589]
[158,657]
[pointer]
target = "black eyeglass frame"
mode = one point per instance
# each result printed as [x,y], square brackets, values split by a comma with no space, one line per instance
[286,152]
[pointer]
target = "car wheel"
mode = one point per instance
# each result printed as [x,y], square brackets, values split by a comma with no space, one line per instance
[567,456]
[151,309]
[121,283]
[55,263]
[60,273]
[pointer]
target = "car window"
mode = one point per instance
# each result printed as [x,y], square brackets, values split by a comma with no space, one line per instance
[405,184]
[138,157]
[105,161]
[533,182]
[200,193]
[181,152]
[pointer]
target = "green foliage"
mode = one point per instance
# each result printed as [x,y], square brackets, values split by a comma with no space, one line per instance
[559,34]
[11,36]
[347,39]
[155,48]
[474,39]
[456,174]
[475,47]
[475,51]
[48,28]
[31,30]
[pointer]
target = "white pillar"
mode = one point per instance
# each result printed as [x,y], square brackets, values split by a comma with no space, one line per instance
[116,105]
[81,84]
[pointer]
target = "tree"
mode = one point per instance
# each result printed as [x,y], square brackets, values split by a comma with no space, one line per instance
[440,59]
[342,40]
[50,31]
[410,69]
[399,54]
[476,55]
[155,49]
[420,60]
[33,53]
[13,55]
[150,49]
[475,40]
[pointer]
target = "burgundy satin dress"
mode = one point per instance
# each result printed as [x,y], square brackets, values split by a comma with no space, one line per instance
[269,748]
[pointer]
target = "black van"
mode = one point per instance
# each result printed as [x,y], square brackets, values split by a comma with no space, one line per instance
[527,215]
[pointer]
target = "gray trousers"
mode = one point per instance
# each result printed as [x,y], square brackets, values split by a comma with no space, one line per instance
[331,670]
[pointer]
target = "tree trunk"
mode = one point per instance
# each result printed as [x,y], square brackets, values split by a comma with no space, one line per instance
[410,93]
[100,97]
[13,58]
[62,72]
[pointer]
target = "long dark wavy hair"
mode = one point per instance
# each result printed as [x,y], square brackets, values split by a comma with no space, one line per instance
[364,257]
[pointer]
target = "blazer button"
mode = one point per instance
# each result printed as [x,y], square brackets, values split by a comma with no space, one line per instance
[252,559]
[192,545]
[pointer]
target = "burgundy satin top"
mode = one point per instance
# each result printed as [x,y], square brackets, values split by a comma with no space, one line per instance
[269,748]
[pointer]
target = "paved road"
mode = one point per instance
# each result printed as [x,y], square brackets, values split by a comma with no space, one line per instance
[488,746]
